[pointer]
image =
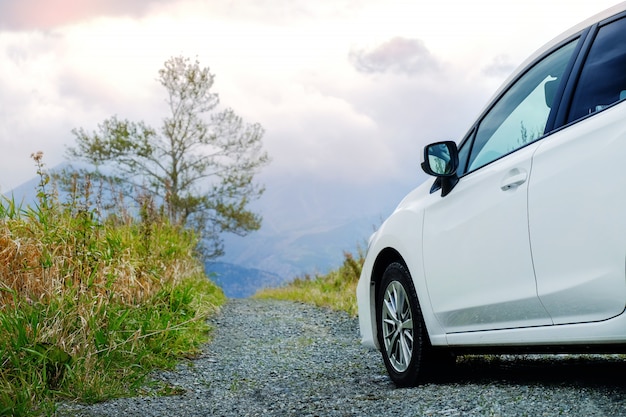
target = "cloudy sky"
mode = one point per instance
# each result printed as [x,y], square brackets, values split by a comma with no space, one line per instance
[347,90]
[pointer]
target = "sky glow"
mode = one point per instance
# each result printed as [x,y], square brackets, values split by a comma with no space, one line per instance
[347,90]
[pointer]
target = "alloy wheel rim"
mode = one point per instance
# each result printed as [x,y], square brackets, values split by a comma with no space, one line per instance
[397,326]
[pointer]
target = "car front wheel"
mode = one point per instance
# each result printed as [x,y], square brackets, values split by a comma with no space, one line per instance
[401,331]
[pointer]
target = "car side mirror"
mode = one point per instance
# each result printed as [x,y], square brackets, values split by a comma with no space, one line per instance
[441,160]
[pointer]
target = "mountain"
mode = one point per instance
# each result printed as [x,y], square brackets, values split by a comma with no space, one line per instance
[25,194]
[307,225]
[240,282]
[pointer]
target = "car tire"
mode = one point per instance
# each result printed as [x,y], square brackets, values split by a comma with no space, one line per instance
[401,332]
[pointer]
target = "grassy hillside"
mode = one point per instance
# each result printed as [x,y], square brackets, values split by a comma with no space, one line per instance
[90,303]
[336,290]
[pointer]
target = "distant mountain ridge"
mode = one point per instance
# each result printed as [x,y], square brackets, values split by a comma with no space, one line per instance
[240,282]
[307,225]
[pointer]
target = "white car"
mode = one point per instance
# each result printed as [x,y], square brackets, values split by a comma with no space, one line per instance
[519,243]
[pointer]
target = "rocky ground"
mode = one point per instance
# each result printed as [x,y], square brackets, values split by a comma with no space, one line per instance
[271,358]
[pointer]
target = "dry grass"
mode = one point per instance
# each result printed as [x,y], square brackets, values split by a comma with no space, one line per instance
[39,264]
[89,304]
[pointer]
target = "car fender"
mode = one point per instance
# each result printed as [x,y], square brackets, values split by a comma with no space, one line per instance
[402,231]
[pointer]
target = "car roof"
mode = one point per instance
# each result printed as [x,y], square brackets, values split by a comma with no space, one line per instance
[614,10]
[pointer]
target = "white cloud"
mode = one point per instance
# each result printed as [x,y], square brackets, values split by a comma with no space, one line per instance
[38,15]
[400,55]
[283,63]
[501,66]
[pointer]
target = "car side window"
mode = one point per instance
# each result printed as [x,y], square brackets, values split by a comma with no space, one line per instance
[602,80]
[520,115]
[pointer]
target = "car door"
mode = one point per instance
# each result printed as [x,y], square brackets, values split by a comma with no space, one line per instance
[577,194]
[476,248]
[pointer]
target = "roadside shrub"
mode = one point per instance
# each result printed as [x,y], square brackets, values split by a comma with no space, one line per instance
[336,290]
[92,300]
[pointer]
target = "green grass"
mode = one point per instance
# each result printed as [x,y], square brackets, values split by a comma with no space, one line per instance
[90,304]
[335,290]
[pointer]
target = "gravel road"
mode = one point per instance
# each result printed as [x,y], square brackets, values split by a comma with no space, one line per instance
[271,358]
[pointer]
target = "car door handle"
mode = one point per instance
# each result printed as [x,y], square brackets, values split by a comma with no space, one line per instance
[514,179]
